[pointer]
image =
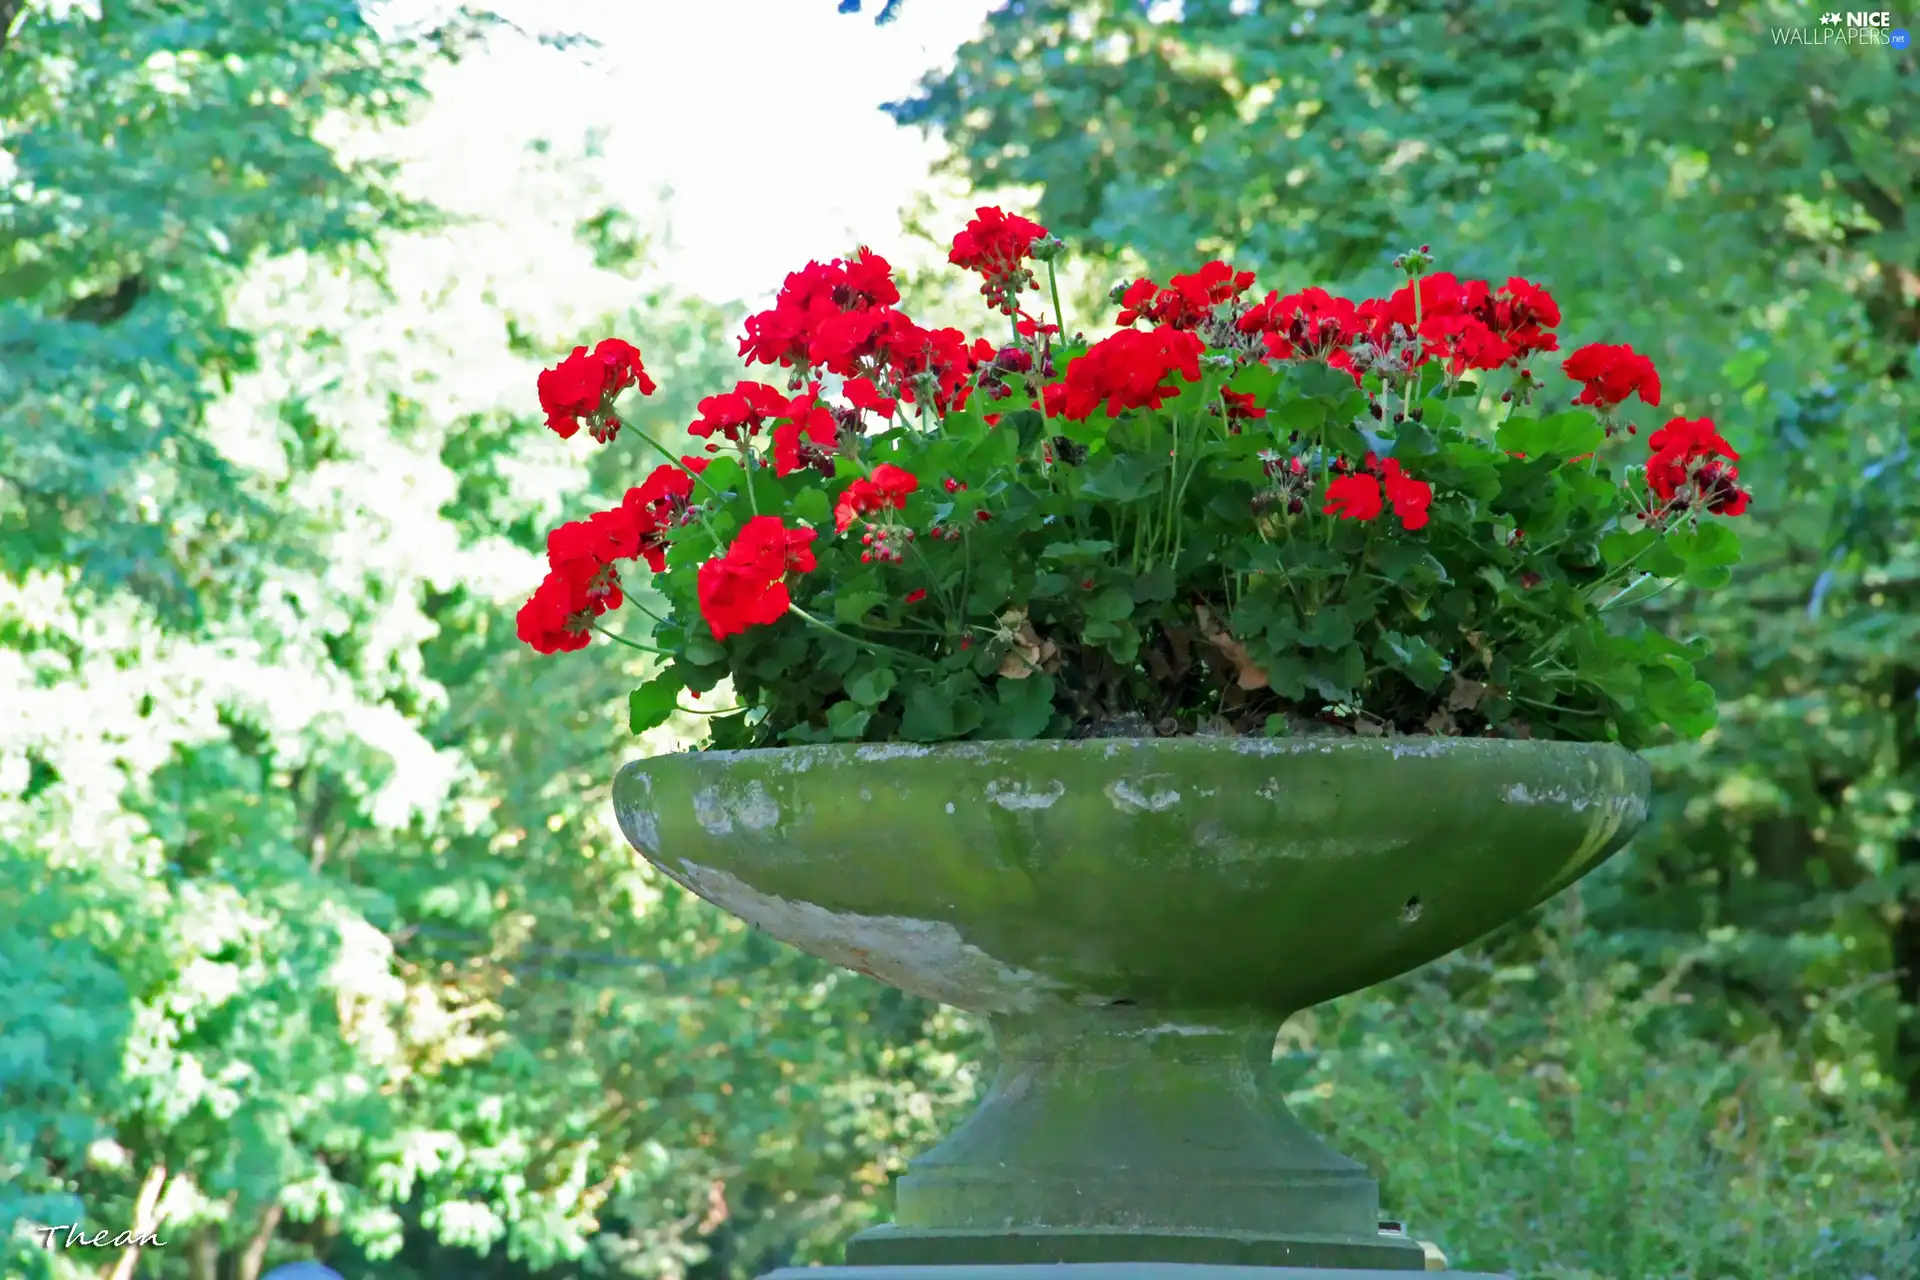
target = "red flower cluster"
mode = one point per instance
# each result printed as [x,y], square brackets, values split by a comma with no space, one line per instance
[1692,463]
[817,297]
[889,487]
[747,587]
[584,386]
[583,581]
[1359,496]
[1129,370]
[1312,324]
[839,318]
[1467,323]
[997,244]
[1187,301]
[1610,374]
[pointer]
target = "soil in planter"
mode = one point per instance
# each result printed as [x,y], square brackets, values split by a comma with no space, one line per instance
[1181,669]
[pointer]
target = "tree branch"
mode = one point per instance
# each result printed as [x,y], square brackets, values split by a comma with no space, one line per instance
[9,11]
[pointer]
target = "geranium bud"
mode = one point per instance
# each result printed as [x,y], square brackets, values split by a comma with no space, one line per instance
[1048,249]
[1374,409]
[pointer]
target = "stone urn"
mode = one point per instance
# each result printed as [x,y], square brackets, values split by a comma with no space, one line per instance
[1136,917]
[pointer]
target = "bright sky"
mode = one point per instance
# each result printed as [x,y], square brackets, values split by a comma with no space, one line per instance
[761,116]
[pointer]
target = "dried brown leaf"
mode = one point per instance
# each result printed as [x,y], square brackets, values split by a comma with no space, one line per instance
[1247,672]
[1465,694]
[1029,651]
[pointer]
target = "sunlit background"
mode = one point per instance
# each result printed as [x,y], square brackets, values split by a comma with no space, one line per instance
[316,936]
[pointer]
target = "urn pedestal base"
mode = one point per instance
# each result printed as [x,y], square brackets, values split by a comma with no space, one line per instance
[1123,1135]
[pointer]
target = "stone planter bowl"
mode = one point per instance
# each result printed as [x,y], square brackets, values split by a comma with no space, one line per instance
[1137,917]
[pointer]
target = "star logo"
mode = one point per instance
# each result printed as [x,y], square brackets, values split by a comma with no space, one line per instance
[1829,19]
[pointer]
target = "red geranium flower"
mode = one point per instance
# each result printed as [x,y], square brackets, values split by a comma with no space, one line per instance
[888,487]
[813,296]
[661,502]
[1241,406]
[583,386]
[1353,497]
[738,414]
[747,587]
[1129,370]
[1186,301]
[1410,497]
[559,616]
[1691,451]
[806,438]
[862,394]
[996,244]
[1612,373]
[1523,315]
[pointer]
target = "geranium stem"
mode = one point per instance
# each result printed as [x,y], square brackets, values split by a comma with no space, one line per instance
[1053,288]
[631,644]
[856,641]
[674,458]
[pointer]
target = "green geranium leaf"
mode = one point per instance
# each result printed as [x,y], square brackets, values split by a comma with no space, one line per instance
[653,703]
[929,716]
[1561,435]
[852,608]
[812,505]
[848,721]
[1076,552]
[1021,709]
[870,686]
[1111,604]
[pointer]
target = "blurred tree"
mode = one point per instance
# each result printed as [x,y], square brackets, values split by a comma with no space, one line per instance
[1683,177]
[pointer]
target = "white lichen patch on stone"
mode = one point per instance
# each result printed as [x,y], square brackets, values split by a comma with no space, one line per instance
[1129,799]
[1520,793]
[892,751]
[1174,1029]
[635,814]
[718,808]
[927,958]
[1017,797]
[1417,748]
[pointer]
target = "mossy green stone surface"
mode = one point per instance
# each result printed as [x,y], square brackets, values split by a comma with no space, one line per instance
[1137,917]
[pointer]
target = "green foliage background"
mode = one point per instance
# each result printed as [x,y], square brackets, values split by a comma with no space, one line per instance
[312,928]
